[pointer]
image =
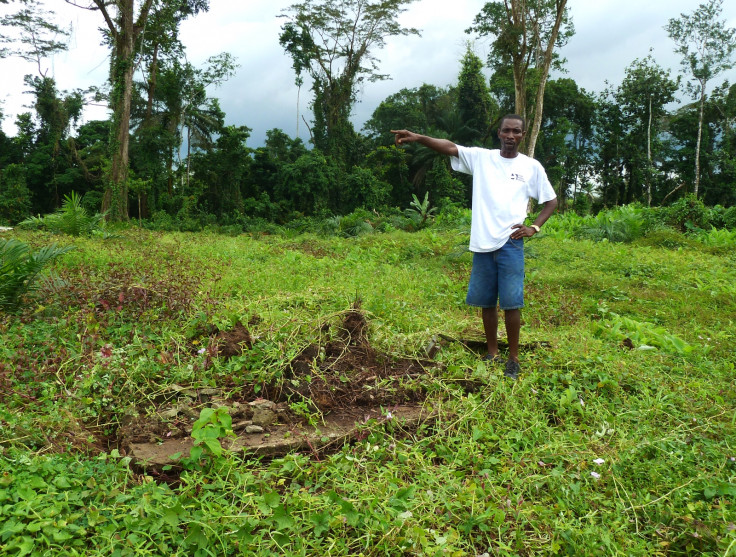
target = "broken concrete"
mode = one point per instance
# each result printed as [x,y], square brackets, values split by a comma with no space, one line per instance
[280,439]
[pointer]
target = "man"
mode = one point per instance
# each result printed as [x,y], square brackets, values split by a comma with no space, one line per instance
[503,182]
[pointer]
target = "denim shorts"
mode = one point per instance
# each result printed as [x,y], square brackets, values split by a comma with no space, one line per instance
[498,277]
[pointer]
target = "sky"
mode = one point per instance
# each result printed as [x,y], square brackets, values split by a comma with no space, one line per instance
[609,36]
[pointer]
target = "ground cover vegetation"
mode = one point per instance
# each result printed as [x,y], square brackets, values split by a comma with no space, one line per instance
[618,439]
[279,293]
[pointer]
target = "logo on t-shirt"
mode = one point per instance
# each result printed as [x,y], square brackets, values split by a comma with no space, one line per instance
[518,177]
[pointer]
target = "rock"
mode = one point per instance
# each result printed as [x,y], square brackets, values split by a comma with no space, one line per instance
[169,414]
[263,417]
[241,425]
[263,412]
[253,429]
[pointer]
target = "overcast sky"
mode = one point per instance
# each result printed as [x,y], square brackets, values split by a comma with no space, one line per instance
[609,35]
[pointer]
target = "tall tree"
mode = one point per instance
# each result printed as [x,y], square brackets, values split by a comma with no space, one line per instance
[474,102]
[527,33]
[645,91]
[124,27]
[39,36]
[334,42]
[706,46]
[565,142]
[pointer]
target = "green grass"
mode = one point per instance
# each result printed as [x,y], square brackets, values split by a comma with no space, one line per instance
[508,469]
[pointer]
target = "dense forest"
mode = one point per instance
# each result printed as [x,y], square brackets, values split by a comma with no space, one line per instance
[166,156]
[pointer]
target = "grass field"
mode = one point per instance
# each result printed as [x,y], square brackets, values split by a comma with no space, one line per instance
[618,439]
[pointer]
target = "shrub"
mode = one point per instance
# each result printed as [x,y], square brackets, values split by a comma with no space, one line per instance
[718,238]
[565,225]
[729,218]
[15,197]
[623,224]
[20,269]
[72,218]
[421,213]
[687,213]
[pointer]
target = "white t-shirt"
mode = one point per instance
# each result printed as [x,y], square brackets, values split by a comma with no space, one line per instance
[501,191]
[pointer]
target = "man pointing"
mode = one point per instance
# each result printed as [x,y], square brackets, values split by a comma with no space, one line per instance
[503,182]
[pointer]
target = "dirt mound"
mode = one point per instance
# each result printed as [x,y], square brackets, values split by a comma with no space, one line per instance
[233,342]
[347,371]
[341,378]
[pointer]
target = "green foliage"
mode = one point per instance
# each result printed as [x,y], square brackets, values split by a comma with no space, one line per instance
[624,224]
[718,238]
[604,446]
[211,426]
[361,188]
[354,224]
[15,197]
[20,269]
[72,219]
[721,217]
[420,212]
[644,336]
[687,213]
[476,107]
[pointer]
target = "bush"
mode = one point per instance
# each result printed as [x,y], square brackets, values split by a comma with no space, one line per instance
[15,197]
[718,238]
[729,218]
[565,225]
[72,218]
[688,213]
[20,269]
[623,224]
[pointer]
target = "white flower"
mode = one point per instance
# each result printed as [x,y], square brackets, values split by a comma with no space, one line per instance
[389,415]
[201,351]
[599,461]
[596,475]
[582,403]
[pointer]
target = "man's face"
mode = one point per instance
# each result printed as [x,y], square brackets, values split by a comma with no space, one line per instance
[511,132]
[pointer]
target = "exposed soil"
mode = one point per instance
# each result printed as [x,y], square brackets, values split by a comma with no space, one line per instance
[341,383]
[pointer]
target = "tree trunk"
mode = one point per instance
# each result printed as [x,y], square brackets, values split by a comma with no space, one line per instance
[152,84]
[546,62]
[649,155]
[700,137]
[116,194]
[124,31]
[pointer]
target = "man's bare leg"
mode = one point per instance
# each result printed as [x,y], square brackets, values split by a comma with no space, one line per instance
[490,326]
[513,328]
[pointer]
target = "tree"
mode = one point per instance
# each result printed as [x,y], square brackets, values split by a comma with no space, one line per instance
[527,33]
[642,96]
[124,28]
[474,102]
[706,46]
[334,41]
[723,102]
[565,144]
[38,35]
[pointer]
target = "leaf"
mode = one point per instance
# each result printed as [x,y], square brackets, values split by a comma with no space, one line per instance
[62,482]
[321,522]
[282,518]
[214,446]
[272,499]
[195,452]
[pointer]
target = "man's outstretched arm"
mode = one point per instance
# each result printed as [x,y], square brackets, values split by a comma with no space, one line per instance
[442,146]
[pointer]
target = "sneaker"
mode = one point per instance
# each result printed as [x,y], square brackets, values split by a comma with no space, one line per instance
[512,370]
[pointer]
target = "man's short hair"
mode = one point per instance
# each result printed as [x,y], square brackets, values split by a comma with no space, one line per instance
[513,117]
